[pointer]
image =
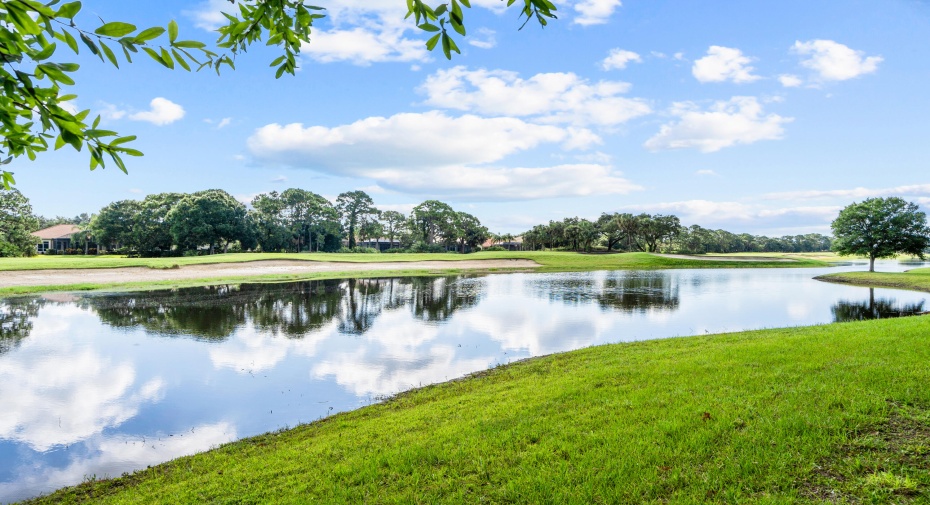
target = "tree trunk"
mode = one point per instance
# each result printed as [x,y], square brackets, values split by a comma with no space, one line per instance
[871,263]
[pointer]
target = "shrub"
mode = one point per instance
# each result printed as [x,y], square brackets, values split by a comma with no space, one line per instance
[360,250]
[494,248]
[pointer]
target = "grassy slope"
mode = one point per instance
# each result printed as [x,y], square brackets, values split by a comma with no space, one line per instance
[549,261]
[772,416]
[917,279]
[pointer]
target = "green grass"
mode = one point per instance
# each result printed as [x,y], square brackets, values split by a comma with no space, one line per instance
[794,415]
[917,279]
[548,261]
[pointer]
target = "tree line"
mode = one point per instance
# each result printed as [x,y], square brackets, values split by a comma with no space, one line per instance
[293,220]
[659,233]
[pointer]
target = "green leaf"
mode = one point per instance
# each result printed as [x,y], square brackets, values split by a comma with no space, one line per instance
[69,39]
[90,44]
[22,19]
[428,27]
[180,59]
[190,44]
[155,56]
[172,31]
[431,43]
[46,51]
[123,140]
[115,29]
[166,57]
[148,34]
[109,54]
[68,10]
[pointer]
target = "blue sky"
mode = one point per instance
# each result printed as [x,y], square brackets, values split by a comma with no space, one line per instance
[764,117]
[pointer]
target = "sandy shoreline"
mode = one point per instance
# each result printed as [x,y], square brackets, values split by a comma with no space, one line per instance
[55,277]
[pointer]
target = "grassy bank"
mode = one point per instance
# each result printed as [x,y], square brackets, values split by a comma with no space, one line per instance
[548,261]
[836,412]
[917,279]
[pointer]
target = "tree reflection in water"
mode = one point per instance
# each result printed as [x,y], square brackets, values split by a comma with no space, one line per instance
[882,308]
[16,316]
[632,292]
[621,290]
[292,309]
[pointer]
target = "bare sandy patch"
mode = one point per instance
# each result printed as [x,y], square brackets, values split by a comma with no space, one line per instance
[57,277]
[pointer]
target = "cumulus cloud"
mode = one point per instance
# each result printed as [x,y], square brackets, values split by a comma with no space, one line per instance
[619,58]
[561,97]
[365,45]
[508,183]
[443,160]
[740,120]
[485,38]
[746,216]
[161,112]
[853,193]
[833,61]
[790,81]
[408,140]
[594,12]
[724,64]
[707,172]
[208,15]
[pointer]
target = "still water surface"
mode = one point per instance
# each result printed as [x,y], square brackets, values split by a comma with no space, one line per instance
[97,385]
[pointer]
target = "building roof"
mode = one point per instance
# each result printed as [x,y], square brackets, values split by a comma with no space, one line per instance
[57,231]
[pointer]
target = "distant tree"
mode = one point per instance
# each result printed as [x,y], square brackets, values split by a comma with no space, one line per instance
[115,224]
[212,217]
[881,228]
[432,221]
[353,207]
[468,231]
[609,227]
[392,223]
[16,223]
[653,230]
[152,231]
[267,217]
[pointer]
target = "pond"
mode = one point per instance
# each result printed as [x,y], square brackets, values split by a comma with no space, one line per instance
[100,384]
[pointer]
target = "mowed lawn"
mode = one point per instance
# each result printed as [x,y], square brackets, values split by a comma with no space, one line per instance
[837,413]
[548,259]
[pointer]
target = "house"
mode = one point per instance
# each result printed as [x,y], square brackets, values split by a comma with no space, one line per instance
[515,244]
[55,238]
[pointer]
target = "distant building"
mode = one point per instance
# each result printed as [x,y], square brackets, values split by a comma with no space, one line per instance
[513,245]
[382,244]
[55,238]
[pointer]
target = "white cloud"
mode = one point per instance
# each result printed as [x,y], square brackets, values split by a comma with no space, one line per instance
[443,161]
[111,112]
[854,193]
[550,97]
[619,59]
[379,142]
[208,15]
[226,121]
[833,61]
[737,121]
[790,81]
[162,112]
[594,12]
[736,216]
[365,45]
[505,183]
[279,179]
[485,39]
[724,64]
[707,172]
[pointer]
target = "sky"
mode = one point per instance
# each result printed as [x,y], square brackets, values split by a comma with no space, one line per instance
[764,117]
